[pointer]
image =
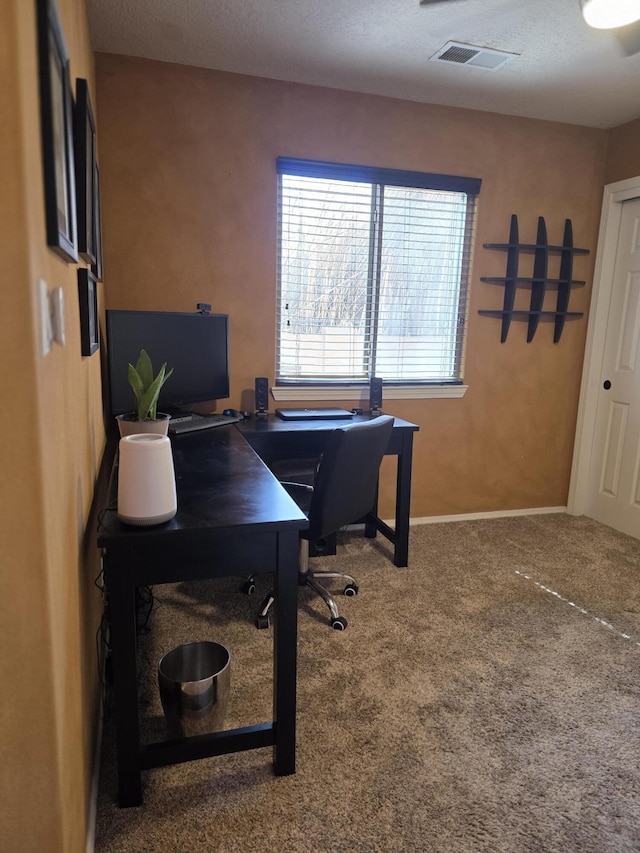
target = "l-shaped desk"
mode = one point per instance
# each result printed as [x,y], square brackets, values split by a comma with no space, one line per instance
[233,517]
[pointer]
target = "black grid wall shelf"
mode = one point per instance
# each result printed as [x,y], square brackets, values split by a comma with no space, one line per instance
[538,283]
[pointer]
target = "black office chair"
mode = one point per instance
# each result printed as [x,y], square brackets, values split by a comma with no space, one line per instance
[345,490]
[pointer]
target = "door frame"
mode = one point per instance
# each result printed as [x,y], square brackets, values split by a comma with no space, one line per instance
[611,216]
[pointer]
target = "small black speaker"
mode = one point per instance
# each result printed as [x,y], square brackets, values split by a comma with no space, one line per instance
[262,394]
[375,395]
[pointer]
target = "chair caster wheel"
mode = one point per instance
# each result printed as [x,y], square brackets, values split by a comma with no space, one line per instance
[339,623]
[351,589]
[262,622]
[248,588]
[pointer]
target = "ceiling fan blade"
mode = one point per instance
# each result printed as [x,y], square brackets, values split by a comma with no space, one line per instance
[629,38]
[433,2]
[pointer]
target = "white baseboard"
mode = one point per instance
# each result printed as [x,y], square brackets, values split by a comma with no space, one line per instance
[473,516]
[468,516]
[95,781]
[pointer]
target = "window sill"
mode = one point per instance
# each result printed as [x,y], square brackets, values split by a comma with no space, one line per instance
[390,392]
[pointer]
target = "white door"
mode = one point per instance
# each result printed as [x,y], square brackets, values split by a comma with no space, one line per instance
[613,486]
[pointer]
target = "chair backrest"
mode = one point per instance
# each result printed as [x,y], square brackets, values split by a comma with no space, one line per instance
[346,482]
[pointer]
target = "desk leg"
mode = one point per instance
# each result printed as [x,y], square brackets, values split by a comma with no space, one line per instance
[285,641]
[122,611]
[403,501]
[371,521]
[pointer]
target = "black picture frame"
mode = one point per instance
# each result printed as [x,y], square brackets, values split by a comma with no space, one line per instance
[84,139]
[56,118]
[96,266]
[88,297]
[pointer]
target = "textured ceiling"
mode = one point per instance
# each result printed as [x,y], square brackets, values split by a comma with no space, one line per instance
[565,71]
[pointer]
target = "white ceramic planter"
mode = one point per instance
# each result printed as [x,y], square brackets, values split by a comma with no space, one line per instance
[128,425]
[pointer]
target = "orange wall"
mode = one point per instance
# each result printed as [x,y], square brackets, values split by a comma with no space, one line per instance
[49,605]
[188,169]
[623,155]
[187,159]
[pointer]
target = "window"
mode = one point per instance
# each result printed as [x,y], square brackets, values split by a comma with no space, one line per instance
[372,274]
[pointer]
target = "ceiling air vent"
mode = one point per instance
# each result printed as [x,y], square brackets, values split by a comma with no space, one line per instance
[468,54]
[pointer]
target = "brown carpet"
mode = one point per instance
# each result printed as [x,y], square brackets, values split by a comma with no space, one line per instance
[487,698]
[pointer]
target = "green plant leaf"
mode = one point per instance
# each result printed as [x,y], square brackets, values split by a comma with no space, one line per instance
[148,403]
[136,382]
[144,368]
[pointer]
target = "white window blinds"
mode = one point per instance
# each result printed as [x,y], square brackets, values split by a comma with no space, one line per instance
[372,274]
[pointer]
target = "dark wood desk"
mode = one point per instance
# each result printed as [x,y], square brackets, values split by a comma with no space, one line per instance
[231,512]
[274,439]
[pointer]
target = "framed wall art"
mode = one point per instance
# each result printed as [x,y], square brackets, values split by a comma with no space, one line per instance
[96,266]
[88,296]
[56,120]
[84,138]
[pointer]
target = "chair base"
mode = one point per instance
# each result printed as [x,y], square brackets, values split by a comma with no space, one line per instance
[338,622]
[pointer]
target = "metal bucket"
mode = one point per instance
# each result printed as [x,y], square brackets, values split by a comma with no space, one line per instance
[194,682]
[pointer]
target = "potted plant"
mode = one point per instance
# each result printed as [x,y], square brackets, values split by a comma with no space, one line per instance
[146,388]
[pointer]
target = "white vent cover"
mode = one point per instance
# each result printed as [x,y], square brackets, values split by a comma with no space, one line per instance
[486,58]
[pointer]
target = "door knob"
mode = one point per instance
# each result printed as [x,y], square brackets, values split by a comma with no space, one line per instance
[606,385]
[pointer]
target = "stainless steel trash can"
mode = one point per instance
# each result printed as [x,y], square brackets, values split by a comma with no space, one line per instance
[194,681]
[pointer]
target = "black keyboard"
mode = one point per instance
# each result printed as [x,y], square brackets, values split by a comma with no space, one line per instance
[192,423]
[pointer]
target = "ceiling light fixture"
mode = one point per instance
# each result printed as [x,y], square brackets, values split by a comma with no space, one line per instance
[609,14]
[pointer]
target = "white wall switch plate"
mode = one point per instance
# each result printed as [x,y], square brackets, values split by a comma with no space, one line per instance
[57,315]
[44,311]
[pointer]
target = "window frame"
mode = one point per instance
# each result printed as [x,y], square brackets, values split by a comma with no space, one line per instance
[319,389]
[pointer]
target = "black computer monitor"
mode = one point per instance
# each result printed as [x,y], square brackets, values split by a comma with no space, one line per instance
[195,345]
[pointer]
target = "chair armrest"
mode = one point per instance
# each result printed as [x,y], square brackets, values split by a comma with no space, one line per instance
[305,486]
